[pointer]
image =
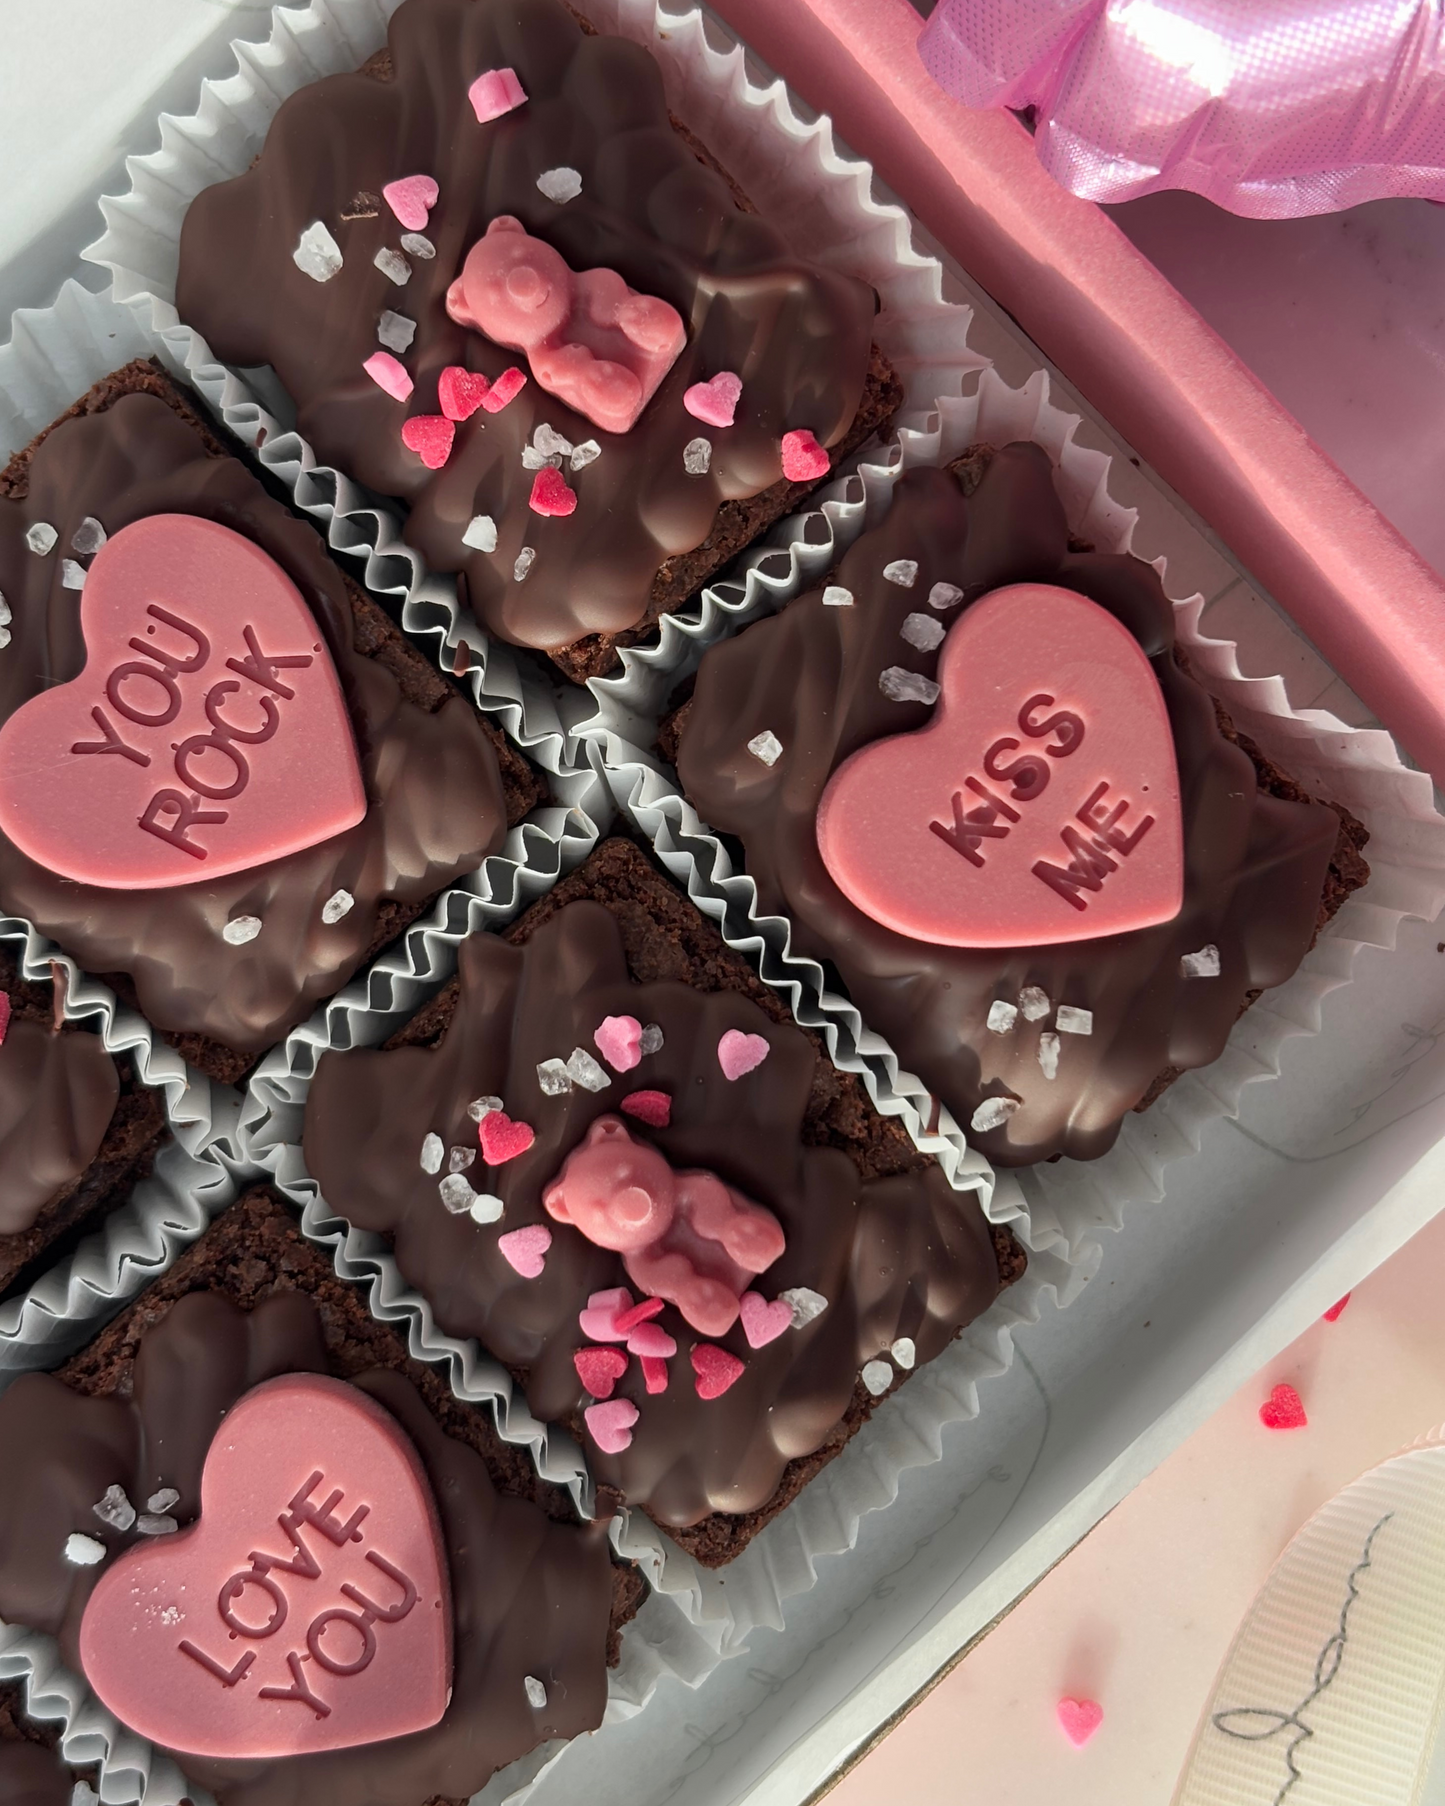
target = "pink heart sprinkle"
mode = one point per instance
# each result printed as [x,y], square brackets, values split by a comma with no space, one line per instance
[738,1053]
[1283,1410]
[4,1015]
[599,1369]
[389,374]
[526,1249]
[654,1373]
[1332,1315]
[618,1041]
[551,496]
[652,1340]
[411,199]
[627,1320]
[430,437]
[803,457]
[715,1368]
[510,383]
[652,1107]
[461,392]
[611,1424]
[502,1139]
[1079,1719]
[494,92]
[599,1320]
[763,1322]
[715,401]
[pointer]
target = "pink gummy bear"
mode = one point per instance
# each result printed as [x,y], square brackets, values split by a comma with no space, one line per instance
[683,1236]
[591,341]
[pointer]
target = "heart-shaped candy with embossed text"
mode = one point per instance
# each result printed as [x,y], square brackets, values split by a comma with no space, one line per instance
[207,733]
[1039,805]
[308,1607]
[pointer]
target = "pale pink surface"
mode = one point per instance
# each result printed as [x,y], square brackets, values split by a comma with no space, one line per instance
[305,1468]
[1272,108]
[1122,334]
[241,761]
[1141,1614]
[1041,802]
[589,339]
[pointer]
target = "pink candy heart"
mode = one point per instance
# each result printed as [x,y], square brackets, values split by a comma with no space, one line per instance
[526,1249]
[803,457]
[509,384]
[715,401]
[599,1320]
[430,437]
[502,1139]
[389,374]
[654,1373]
[618,1041]
[550,494]
[610,1425]
[599,1369]
[763,1322]
[652,1340]
[1283,1410]
[652,1107]
[627,1320]
[494,92]
[738,1053]
[411,199]
[461,392]
[715,1368]
[1079,1719]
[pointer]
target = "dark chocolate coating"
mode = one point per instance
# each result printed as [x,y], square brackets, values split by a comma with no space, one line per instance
[528,1597]
[899,1256]
[31,1775]
[57,1096]
[1254,864]
[431,779]
[797,335]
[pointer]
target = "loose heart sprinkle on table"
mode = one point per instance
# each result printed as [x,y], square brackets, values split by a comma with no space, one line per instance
[1283,1410]
[1079,1719]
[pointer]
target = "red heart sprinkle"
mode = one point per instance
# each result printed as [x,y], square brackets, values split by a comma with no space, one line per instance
[510,383]
[599,1369]
[550,494]
[1332,1315]
[654,1373]
[1079,1719]
[715,1368]
[1283,1410]
[502,1139]
[803,457]
[652,1107]
[430,437]
[461,392]
[640,1313]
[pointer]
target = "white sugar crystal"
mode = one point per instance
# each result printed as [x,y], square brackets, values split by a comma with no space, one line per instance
[83,1551]
[766,746]
[1204,964]
[902,571]
[483,1106]
[393,266]
[432,1150]
[481,533]
[551,443]
[922,631]
[115,1509]
[317,253]
[395,331]
[1049,1045]
[1001,1016]
[459,1159]
[164,1499]
[419,245]
[340,903]
[899,685]
[993,1113]
[4,610]
[525,560]
[583,1070]
[585,453]
[486,1208]
[88,537]
[553,1078]
[835,596]
[536,1692]
[804,1303]
[944,595]
[1073,1021]
[1034,1002]
[4,638]
[532,459]
[903,1352]
[650,1041]
[156,1523]
[456,1194]
[41,537]
[72,575]
[877,1377]
[83,1794]
[561,184]
[241,929]
[697,457]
